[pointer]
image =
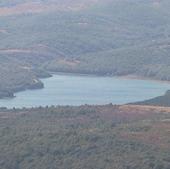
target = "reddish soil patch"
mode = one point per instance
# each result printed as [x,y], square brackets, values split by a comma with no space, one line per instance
[4,31]
[67,62]
[38,7]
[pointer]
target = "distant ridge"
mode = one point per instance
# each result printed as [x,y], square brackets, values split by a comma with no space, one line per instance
[103,37]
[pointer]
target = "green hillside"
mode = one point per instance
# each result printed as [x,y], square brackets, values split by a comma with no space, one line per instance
[106,38]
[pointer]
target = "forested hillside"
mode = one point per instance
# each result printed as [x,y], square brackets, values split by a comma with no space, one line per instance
[88,137]
[113,37]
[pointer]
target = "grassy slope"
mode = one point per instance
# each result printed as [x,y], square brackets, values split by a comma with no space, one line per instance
[85,137]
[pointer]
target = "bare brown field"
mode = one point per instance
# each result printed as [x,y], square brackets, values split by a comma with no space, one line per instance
[3,31]
[145,108]
[38,7]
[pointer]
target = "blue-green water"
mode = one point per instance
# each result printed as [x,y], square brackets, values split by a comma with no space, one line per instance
[76,90]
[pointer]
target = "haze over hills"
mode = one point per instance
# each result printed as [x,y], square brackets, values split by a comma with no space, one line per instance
[102,37]
[125,37]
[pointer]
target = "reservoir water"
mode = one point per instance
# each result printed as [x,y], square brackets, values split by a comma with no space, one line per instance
[63,89]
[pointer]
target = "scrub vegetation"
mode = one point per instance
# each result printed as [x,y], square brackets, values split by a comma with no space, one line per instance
[88,137]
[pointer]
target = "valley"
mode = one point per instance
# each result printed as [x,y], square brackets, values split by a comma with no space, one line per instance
[101,72]
[75,89]
[99,39]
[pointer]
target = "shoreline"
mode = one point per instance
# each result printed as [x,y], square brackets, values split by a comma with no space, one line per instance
[137,77]
[127,107]
[132,77]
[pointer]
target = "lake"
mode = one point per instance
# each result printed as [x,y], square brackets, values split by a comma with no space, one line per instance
[69,89]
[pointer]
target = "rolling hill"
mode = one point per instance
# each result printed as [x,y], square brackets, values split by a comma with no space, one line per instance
[113,37]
